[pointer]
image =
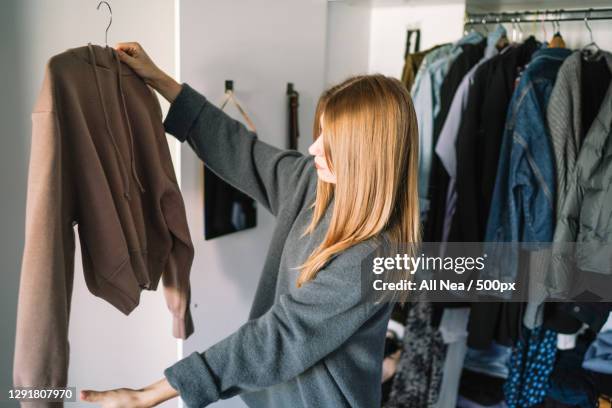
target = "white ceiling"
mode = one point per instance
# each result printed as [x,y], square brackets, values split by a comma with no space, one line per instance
[385,3]
[512,5]
[488,5]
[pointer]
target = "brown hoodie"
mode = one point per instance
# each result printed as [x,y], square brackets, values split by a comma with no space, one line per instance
[99,160]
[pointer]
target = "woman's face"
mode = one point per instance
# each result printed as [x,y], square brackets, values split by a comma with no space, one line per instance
[316,149]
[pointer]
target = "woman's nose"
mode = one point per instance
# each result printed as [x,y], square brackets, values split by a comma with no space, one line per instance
[316,149]
[311,150]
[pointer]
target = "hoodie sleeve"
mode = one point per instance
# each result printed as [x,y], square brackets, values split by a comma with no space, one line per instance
[45,289]
[175,277]
[233,152]
[293,335]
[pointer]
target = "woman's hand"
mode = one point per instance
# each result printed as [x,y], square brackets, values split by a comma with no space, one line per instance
[147,397]
[117,398]
[135,56]
[390,365]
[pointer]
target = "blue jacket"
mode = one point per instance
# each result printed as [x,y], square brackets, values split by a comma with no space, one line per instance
[523,203]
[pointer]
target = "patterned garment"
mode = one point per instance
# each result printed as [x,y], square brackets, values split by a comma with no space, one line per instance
[531,364]
[419,373]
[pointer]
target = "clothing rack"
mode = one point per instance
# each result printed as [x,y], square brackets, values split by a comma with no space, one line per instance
[539,16]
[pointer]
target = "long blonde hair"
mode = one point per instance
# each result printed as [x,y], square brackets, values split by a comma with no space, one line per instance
[371,145]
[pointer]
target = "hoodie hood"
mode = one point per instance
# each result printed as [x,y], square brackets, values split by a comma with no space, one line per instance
[107,58]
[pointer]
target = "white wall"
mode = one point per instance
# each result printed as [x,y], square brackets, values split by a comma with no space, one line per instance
[348,40]
[370,36]
[261,46]
[108,349]
[439,23]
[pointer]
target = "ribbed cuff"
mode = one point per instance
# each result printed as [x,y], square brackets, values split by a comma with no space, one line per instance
[193,380]
[182,325]
[183,112]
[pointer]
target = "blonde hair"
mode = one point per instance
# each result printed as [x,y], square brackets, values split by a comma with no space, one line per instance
[371,145]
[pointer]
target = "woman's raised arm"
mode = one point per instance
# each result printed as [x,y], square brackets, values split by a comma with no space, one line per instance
[234,153]
[227,147]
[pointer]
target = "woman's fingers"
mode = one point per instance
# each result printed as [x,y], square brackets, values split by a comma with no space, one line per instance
[125,57]
[117,398]
[130,48]
[135,56]
[91,396]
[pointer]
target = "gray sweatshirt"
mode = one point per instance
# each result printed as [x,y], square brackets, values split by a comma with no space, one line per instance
[320,345]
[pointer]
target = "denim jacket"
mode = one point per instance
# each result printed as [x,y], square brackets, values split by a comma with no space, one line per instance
[523,205]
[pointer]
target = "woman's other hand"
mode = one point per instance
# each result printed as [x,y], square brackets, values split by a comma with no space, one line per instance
[136,58]
[390,365]
[147,397]
[117,398]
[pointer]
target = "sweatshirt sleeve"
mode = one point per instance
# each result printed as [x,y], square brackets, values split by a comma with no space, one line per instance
[45,289]
[295,333]
[233,152]
[175,276]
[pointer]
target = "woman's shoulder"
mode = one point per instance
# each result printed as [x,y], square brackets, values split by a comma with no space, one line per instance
[354,256]
[305,183]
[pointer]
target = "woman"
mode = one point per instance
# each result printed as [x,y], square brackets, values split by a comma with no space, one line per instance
[311,340]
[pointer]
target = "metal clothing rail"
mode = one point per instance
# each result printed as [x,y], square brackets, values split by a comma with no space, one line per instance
[539,16]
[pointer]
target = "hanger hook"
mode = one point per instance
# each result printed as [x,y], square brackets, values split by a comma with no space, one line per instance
[552,22]
[586,22]
[110,22]
[518,20]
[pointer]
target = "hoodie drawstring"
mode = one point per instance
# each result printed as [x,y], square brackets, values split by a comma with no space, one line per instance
[129,125]
[122,165]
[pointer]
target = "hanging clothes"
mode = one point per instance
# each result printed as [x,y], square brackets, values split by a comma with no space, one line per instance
[99,160]
[523,202]
[419,371]
[598,356]
[427,103]
[478,144]
[445,147]
[438,178]
[453,329]
[454,97]
[412,64]
[583,217]
[575,100]
[479,139]
[422,96]
[437,52]
[567,128]
[481,389]
[531,364]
